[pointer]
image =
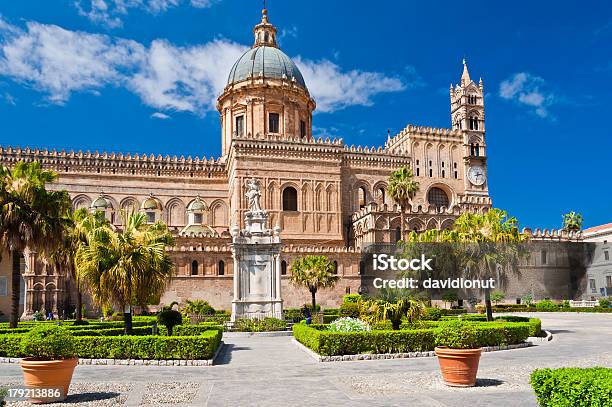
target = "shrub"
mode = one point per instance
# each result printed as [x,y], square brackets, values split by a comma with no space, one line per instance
[565,304]
[351,298]
[38,316]
[197,307]
[497,296]
[349,309]
[293,314]
[574,387]
[81,322]
[432,314]
[348,325]
[527,299]
[117,316]
[450,296]
[47,342]
[328,343]
[457,335]
[546,305]
[260,325]
[169,318]
[604,303]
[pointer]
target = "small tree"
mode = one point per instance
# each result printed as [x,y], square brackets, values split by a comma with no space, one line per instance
[497,296]
[450,297]
[169,317]
[313,272]
[572,221]
[527,299]
[402,188]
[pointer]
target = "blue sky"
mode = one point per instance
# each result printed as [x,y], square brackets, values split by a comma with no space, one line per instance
[142,76]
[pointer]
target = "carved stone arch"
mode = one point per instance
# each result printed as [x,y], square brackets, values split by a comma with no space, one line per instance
[362,194]
[380,192]
[331,198]
[218,213]
[319,201]
[447,224]
[432,224]
[81,201]
[474,139]
[416,224]
[129,203]
[450,193]
[474,113]
[272,198]
[175,212]
[287,197]
[307,197]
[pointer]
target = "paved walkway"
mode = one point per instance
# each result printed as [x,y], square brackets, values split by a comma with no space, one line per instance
[272,371]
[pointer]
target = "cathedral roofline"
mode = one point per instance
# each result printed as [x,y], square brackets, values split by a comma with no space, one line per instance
[115,163]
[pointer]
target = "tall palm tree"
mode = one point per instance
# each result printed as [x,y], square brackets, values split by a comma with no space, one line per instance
[80,225]
[313,272]
[402,188]
[30,217]
[128,267]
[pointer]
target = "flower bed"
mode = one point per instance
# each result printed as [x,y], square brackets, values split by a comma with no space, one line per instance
[576,387]
[328,343]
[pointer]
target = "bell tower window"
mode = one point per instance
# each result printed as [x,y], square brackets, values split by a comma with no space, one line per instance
[273,122]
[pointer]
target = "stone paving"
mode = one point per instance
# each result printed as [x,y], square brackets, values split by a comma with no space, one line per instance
[272,371]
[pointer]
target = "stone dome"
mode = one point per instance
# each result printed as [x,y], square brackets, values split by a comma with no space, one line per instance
[100,204]
[267,61]
[151,204]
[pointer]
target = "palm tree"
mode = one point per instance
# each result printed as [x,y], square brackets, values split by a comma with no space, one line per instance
[313,272]
[128,267]
[79,226]
[572,221]
[402,188]
[483,246]
[30,217]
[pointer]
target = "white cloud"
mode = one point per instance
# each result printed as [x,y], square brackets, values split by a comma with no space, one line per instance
[334,89]
[109,12]
[528,90]
[59,62]
[160,116]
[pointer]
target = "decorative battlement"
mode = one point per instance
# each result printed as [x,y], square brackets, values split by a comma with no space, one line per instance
[424,131]
[115,163]
[553,234]
[319,249]
[374,208]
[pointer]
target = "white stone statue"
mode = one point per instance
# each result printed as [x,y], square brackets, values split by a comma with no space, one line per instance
[253,194]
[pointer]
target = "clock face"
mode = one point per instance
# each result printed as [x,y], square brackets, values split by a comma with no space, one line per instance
[476,175]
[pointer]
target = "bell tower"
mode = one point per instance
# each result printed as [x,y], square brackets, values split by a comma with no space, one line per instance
[467,115]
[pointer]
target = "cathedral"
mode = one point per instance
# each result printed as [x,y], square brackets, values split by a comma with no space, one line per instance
[327,197]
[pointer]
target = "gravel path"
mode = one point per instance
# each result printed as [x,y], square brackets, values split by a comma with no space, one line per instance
[274,372]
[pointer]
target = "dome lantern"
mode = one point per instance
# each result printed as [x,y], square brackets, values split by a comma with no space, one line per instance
[265,33]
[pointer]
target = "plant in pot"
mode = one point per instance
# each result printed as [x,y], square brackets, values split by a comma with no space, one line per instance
[48,362]
[458,351]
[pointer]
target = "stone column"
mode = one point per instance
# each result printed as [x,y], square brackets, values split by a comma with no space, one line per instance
[277,279]
[28,276]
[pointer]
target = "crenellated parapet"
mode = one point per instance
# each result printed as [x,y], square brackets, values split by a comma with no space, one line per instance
[411,132]
[314,249]
[553,234]
[376,209]
[115,163]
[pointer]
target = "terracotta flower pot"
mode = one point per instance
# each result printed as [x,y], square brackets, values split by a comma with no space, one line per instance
[48,374]
[458,366]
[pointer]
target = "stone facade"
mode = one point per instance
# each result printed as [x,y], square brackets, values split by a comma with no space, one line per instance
[327,197]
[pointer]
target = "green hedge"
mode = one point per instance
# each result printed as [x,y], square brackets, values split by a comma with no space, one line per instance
[191,330]
[405,340]
[573,387]
[133,347]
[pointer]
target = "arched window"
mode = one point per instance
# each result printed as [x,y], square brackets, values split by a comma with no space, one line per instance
[283,268]
[437,198]
[194,268]
[398,234]
[335,267]
[380,196]
[221,268]
[362,267]
[290,199]
[361,197]
[477,150]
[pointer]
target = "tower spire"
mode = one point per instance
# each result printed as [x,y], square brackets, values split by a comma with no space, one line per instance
[465,77]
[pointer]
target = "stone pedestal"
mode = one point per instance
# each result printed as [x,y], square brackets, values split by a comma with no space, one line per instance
[257,275]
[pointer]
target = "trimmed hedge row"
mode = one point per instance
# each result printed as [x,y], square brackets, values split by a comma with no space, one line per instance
[533,308]
[409,340]
[573,387]
[132,347]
